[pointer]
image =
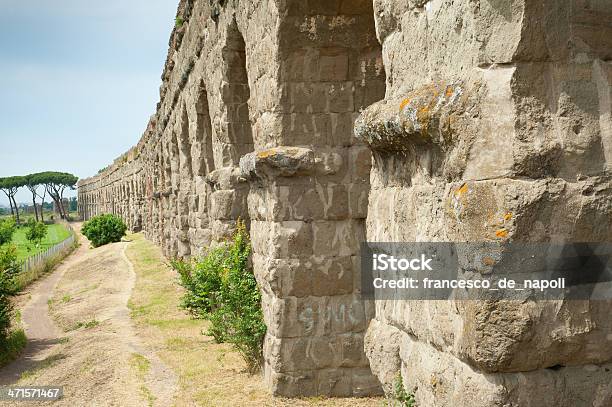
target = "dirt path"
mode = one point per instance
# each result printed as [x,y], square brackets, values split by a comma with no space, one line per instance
[80,336]
[41,331]
[106,325]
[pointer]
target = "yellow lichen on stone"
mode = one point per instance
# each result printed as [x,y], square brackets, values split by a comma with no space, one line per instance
[503,232]
[508,216]
[456,200]
[266,153]
[404,103]
[462,190]
[488,261]
[423,116]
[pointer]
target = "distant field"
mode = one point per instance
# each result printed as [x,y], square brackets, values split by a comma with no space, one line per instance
[25,216]
[47,215]
[55,234]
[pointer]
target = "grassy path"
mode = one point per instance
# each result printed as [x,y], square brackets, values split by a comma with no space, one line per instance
[209,374]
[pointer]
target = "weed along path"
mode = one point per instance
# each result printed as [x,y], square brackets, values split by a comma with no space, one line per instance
[80,336]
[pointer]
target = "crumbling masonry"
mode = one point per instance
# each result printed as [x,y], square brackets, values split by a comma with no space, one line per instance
[475,120]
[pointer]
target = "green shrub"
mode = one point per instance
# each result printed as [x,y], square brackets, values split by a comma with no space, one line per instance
[13,346]
[402,397]
[178,22]
[104,229]
[221,288]
[36,231]
[8,269]
[7,229]
[6,312]
[202,279]
[8,261]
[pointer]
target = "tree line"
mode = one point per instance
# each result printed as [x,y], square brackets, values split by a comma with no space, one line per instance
[40,185]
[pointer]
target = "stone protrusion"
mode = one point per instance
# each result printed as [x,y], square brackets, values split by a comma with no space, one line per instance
[277,162]
[423,117]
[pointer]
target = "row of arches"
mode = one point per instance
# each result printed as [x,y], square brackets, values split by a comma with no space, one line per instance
[299,81]
[196,144]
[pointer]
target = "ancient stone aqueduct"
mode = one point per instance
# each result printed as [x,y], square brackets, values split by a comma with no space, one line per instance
[324,123]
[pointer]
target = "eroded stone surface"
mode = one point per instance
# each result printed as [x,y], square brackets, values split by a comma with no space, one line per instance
[521,155]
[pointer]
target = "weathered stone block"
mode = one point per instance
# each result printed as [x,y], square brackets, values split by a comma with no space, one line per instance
[277,162]
[358,200]
[299,317]
[352,350]
[292,384]
[360,164]
[341,97]
[288,238]
[331,276]
[342,129]
[337,238]
[284,277]
[346,313]
[334,382]
[222,205]
[333,65]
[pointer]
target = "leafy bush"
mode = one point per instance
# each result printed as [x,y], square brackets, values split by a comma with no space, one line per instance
[401,396]
[36,231]
[13,346]
[8,261]
[6,312]
[104,229]
[202,280]
[7,228]
[8,268]
[221,288]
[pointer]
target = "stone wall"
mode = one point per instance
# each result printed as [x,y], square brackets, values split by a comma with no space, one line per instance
[495,127]
[487,121]
[255,121]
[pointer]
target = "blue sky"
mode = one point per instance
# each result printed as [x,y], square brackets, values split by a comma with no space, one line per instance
[78,81]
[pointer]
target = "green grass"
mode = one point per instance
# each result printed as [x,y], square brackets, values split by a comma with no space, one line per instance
[23,217]
[16,342]
[56,233]
[141,366]
[43,364]
[84,324]
[22,280]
